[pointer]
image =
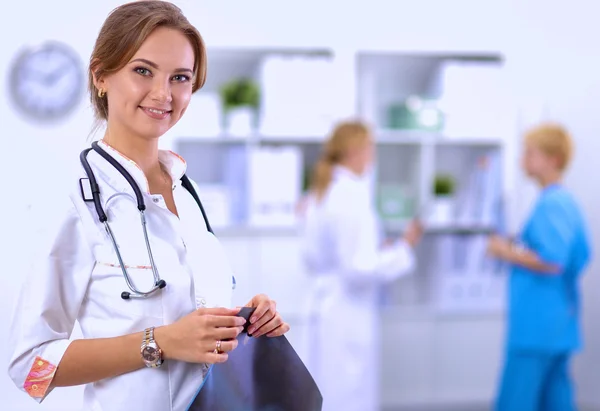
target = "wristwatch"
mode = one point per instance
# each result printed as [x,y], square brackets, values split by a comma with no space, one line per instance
[151,352]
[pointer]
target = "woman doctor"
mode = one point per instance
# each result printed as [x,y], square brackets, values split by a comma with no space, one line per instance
[343,253]
[138,353]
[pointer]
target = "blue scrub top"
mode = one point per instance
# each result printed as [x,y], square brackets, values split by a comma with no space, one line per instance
[544,309]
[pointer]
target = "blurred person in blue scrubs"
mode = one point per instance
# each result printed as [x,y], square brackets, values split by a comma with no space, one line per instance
[547,261]
[349,261]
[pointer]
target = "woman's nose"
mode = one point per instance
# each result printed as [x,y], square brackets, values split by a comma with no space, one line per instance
[161,92]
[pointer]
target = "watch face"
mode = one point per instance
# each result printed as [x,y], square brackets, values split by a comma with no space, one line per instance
[150,354]
[47,82]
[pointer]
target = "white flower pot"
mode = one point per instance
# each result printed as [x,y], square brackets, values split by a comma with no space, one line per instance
[442,210]
[240,121]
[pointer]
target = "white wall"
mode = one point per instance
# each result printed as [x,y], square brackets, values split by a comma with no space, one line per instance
[549,49]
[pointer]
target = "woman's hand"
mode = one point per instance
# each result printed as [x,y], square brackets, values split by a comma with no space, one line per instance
[194,338]
[498,247]
[265,319]
[413,233]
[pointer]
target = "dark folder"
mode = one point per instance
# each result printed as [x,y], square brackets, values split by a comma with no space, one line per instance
[261,374]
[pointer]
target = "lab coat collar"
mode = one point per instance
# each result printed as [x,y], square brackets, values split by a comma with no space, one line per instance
[174,164]
[343,172]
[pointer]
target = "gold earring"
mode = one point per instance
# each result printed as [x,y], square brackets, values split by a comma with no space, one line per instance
[101,93]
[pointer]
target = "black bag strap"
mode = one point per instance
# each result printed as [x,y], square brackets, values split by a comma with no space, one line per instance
[187,184]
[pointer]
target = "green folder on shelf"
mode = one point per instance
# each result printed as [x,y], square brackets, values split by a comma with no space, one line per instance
[393,203]
[415,113]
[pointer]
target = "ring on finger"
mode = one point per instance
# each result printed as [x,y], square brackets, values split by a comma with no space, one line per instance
[218,348]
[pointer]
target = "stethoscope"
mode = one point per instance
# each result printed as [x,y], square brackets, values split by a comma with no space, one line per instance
[95,192]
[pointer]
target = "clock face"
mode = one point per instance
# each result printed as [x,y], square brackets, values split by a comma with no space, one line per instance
[47,82]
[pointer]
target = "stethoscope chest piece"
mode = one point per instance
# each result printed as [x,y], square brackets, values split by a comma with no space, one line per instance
[126,295]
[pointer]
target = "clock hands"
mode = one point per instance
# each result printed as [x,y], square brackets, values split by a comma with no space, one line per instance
[47,78]
[56,74]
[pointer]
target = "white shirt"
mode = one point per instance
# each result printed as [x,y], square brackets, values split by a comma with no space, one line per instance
[75,276]
[341,235]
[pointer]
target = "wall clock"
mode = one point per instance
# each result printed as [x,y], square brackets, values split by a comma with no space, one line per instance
[46,82]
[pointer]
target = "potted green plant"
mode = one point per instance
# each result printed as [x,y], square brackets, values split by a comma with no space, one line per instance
[241,99]
[444,186]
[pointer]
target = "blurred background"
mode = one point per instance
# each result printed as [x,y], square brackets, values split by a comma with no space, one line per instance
[448,88]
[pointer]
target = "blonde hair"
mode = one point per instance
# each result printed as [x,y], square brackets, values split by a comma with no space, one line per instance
[345,137]
[553,140]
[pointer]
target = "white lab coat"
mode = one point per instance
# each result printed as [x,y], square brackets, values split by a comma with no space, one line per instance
[76,277]
[342,251]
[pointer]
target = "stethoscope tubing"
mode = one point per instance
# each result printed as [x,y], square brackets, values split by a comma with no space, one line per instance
[95,190]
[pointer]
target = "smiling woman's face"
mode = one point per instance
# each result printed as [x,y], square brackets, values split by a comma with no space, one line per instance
[152,91]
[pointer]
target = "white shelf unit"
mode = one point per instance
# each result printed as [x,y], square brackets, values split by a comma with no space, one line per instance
[407,158]
[414,157]
[441,332]
[215,150]
[225,64]
[418,332]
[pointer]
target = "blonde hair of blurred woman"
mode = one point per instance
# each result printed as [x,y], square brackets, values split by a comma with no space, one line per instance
[349,145]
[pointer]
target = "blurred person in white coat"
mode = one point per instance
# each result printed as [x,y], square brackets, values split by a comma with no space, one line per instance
[348,261]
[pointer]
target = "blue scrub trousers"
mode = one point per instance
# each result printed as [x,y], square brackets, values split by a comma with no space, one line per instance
[535,382]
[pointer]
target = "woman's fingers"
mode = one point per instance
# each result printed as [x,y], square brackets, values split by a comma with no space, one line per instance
[230,333]
[282,329]
[269,326]
[222,311]
[224,346]
[264,313]
[224,321]
[214,358]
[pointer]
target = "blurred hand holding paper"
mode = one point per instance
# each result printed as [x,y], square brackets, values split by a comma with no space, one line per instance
[261,374]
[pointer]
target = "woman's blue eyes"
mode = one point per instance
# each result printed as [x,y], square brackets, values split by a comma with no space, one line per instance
[181,78]
[178,78]
[142,71]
